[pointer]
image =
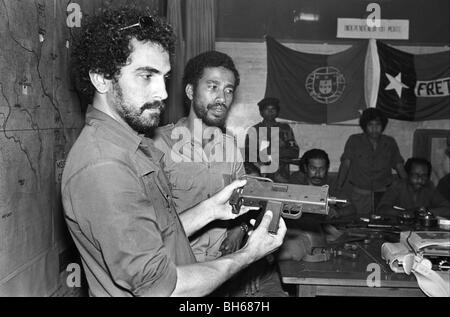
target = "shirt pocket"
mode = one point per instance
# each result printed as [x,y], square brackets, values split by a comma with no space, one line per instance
[160,206]
[180,183]
[363,159]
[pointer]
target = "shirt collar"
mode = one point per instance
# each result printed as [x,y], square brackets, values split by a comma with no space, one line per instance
[115,131]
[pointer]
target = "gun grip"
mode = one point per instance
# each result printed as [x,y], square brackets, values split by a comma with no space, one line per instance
[275,207]
[235,202]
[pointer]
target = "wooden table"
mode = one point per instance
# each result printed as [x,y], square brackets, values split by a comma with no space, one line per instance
[342,276]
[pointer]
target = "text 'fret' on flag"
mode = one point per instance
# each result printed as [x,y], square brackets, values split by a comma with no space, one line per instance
[413,87]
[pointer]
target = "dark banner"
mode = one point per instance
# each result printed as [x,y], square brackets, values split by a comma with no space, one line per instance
[316,88]
[413,87]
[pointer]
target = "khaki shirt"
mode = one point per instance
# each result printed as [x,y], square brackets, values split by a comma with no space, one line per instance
[196,173]
[119,212]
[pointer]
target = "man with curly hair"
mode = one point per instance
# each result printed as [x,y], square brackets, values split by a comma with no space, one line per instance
[367,162]
[117,201]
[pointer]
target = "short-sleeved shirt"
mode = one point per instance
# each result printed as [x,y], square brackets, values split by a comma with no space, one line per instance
[402,195]
[196,172]
[119,212]
[371,169]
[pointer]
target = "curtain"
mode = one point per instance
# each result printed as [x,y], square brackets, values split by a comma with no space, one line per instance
[175,108]
[196,35]
[200,27]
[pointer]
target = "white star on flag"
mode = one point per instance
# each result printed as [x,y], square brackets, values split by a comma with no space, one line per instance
[396,83]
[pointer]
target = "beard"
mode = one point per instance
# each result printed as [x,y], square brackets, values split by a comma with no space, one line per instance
[317,181]
[134,117]
[206,114]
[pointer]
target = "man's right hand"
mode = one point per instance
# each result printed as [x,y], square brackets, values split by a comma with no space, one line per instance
[260,242]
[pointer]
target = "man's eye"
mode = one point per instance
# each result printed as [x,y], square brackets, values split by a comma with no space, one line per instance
[147,76]
[212,87]
[229,91]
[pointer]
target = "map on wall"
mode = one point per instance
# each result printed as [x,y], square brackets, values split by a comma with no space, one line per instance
[39,119]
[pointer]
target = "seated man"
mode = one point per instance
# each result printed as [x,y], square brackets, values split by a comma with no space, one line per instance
[308,231]
[314,166]
[415,192]
[261,152]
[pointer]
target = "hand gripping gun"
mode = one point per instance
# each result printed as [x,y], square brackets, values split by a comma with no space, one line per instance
[287,200]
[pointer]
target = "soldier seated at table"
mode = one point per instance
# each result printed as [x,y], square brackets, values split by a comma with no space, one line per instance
[310,229]
[414,192]
[264,154]
[314,166]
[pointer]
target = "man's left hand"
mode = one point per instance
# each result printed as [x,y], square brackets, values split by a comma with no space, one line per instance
[219,202]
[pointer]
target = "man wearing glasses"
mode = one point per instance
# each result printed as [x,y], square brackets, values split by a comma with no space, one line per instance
[415,192]
[117,201]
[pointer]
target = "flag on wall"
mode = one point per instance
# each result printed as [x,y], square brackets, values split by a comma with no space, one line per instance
[413,87]
[316,88]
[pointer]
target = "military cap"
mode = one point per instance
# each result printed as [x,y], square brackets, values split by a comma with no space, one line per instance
[269,101]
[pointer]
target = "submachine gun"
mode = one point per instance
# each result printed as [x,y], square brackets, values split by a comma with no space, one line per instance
[287,200]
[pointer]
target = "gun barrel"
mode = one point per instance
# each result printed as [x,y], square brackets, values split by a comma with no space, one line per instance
[334,200]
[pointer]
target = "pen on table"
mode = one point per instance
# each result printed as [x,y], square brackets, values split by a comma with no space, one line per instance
[398,208]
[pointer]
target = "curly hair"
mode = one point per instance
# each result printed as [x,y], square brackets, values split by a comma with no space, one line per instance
[311,155]
[104,47]
[372,114]
[195,66]
[417,161]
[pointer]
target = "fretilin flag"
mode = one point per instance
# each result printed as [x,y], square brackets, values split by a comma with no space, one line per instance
[413,87]
[316,88]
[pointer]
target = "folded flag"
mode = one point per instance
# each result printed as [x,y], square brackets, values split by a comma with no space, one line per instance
[413,87]
[316,88]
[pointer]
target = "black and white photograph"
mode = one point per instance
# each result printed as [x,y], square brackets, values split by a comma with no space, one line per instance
[235,154]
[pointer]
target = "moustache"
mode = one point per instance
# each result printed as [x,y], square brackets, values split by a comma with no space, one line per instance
[215,105]
[157,105]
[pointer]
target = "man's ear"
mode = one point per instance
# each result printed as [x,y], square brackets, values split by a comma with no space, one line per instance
[189,91]
[101,84]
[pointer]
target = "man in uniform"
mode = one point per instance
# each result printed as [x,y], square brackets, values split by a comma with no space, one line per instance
[261,150]
[200,159]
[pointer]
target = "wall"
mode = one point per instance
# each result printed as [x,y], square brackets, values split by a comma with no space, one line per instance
[40,118]
[250,59]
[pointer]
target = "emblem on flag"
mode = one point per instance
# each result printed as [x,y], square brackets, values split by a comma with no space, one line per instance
[325,84]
